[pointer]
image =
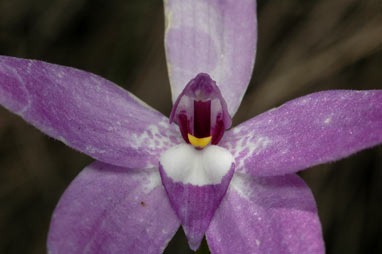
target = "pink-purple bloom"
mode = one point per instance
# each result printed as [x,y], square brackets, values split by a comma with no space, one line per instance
[152,174]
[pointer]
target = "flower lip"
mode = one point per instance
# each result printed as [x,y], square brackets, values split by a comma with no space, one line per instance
[201,111]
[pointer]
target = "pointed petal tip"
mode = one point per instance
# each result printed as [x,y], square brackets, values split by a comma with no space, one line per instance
[195,243]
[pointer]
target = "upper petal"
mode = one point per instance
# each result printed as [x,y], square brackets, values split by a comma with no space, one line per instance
[266,215]
[108,209]
[214,37]
[307,131]
[85,111]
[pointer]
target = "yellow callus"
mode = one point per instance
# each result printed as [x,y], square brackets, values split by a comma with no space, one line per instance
[199,142]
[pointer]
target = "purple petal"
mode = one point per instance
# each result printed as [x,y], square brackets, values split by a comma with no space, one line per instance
[85,112]
[266,215]
[214,37]
[307,131]
[196,181]
[108,209]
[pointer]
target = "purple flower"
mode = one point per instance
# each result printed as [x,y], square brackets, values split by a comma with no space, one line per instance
[237,187]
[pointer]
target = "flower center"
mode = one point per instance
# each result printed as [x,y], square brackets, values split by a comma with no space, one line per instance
[201,112]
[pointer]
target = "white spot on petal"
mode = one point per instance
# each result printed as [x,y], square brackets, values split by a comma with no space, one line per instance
[153,180]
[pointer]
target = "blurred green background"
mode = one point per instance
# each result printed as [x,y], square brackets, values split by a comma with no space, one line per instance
[303,47]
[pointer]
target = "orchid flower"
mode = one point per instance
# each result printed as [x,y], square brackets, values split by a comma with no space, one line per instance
[152,174]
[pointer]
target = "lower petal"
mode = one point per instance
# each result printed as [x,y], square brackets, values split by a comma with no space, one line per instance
[266,215]
[196,182]
[109,209]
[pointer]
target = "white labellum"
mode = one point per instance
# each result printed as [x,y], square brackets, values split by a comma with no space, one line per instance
[183,163]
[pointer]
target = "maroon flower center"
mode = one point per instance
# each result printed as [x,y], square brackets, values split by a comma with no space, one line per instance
[201,112]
